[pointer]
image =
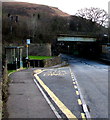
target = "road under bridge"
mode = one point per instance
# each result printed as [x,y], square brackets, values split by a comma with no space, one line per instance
[83,46]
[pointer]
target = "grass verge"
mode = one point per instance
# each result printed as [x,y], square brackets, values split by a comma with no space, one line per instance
[39,57]
[11,71]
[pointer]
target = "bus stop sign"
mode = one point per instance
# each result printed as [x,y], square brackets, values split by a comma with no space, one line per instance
[28,41]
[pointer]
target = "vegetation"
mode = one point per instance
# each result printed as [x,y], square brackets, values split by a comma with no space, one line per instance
[39,57]
[11,71]
[96,15]
[38,22]
[42,23]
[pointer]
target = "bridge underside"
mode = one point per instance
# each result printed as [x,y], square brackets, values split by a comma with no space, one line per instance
[76,39]
[84,47]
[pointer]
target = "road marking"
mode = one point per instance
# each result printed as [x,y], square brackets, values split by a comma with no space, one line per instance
[62,107]
[55,73]
[74,83]
[48,101]
[83,116]
[72,75]
[77,93]
[79,102]
[44,74]
[84,106]
[73,80]
[75,87]
[38,71]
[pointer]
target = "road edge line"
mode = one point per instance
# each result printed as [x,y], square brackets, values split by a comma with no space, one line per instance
[48,101]
[84,106]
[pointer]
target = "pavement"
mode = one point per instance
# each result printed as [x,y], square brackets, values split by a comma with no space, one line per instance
[25,99]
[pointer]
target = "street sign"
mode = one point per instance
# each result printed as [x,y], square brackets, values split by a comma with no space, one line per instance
[28,41]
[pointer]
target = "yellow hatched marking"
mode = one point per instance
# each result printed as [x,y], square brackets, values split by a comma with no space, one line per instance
[77,93]
[79,102]
[38,71]
[83,116]
[62,107]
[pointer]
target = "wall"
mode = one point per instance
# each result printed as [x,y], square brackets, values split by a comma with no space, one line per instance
[35,49]
[53,61]
[105,55]
[38,49]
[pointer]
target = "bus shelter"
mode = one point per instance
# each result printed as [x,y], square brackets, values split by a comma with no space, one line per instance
[14,57]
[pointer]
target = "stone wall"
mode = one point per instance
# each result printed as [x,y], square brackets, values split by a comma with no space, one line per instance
[38,49]
[53,61]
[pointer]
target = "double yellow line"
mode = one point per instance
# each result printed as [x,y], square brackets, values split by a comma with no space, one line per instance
[61,106]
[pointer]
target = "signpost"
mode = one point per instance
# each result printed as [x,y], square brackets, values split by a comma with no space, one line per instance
[27,46]
[28,41]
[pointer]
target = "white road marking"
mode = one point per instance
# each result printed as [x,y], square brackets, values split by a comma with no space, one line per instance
[48,101]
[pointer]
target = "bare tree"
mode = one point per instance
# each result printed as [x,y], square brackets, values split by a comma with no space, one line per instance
[96,15]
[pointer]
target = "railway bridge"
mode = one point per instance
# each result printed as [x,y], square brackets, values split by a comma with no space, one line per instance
[80,45]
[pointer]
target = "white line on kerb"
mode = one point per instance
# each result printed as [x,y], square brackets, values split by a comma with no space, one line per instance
[48,101]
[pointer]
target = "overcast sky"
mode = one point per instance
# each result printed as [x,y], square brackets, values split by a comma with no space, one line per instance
[71,6]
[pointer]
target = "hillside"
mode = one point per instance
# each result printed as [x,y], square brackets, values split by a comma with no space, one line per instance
[29,8]
[40,23]
[7,0]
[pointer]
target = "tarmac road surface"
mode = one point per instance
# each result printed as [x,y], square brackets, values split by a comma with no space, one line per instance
[92,78]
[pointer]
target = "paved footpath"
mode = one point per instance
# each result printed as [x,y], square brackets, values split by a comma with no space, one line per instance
[25,99]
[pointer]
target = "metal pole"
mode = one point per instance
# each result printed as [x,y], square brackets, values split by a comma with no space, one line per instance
[27,54]
[16,63]
[27,50]
[21,63]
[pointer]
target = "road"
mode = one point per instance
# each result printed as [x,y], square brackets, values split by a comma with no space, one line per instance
[92,78]
[59,81]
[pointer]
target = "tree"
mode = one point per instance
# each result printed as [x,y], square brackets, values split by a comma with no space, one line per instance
[96,15]
[59,25]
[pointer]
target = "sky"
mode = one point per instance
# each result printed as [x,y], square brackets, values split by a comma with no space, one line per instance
[71,6]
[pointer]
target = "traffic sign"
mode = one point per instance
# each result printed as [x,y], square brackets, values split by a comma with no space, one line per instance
[28,41]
